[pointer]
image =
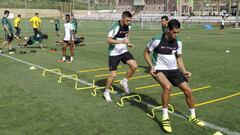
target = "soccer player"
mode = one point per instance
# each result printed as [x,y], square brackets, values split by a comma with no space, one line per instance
[57,27]
[16,23]
[118,41]
[36,24]
[168,69]
[75,23]
[34,40]
[222,25]
[68,40]
[7,26]
[164,22]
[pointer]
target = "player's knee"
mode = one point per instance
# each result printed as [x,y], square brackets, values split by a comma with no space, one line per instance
[134,67]
[188,92]
[113,75]
[167,88]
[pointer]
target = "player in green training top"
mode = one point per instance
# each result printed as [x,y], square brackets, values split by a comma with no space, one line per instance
[7,26]
[57,27]
[33,40]
[164,22]
[118,42]
[75,23]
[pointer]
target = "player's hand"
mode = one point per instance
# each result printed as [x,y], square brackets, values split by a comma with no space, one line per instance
[9,34]
[153,72]
[187,74]
[130,45]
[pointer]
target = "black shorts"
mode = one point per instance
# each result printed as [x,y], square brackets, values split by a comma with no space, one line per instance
[36,31]
[221,27]
[176,77]
[57,29]
[67,43]
[8,38]
[113,61]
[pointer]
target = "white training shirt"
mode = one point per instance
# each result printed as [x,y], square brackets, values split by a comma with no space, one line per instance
[68,28]
[222,22]
[165,61]
[118,32]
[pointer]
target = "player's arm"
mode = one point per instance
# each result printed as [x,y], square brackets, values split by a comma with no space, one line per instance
[147,57]
[181,65]
[110,40]
[6,28]
[150,47]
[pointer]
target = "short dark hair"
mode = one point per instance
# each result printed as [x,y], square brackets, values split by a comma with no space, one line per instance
[67,15]
[126,14]
[174,23]
[19,15]
[36,13]
[6,12]
[165,17]
[45,36]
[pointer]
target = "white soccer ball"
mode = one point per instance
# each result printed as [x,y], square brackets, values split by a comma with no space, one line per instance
[227,51]
[25,38]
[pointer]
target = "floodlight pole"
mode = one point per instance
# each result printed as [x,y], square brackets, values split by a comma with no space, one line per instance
[25,4]
[237,14]
[72,4]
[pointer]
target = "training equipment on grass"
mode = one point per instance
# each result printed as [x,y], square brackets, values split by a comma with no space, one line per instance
[137,98]
[23,52]
[133,78]
[94,93]
[218,99]
[75,77]
[96,69]
[217,133]
[33,51]
[157,108]
[32,68]
[51,70]
[84,88]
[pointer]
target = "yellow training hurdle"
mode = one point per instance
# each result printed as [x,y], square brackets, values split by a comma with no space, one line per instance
[128,97]
[76,82]
[51,70]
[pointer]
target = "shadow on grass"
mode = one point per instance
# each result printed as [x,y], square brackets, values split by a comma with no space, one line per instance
[144,105]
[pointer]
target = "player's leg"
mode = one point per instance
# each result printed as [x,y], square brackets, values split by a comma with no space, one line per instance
[132,64]
[64,48]
[5,42]
[19,32]
[71,46]
[113,62]
[188,94]
[166,86]
[189,99]
[16,33]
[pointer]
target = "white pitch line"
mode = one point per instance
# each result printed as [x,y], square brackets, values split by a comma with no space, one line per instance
[43,68]
[210,125]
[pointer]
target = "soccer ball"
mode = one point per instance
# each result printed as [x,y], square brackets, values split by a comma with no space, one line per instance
[25,38]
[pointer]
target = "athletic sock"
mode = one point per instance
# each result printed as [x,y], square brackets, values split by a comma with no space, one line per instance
[63,58]
[192,111]
[165,113]
[71,58]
